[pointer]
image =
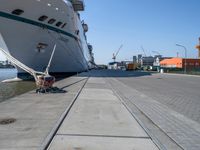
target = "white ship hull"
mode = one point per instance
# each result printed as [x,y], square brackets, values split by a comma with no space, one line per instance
[23,33]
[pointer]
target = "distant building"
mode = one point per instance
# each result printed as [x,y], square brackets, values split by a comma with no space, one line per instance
[147,61]
[139,59]
[134,59]
[113,65]
[171,63]
[118,65]
[6,64]
[158,56]
[102,66]
[157,59]
[156,62]
[180,63]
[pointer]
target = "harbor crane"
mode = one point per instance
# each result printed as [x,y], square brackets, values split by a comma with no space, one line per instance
[115,54]
[198,47]
[143,51]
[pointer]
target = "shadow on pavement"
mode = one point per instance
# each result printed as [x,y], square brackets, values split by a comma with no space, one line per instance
[114,73]
[73,83]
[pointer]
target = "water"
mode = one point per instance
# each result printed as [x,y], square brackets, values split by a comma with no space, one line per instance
[9,90]
[7,74]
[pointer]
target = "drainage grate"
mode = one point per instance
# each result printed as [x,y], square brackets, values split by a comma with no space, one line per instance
[7,121]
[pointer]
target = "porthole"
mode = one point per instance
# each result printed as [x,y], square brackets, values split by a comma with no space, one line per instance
[64,25]
[77,32]
[42,18]
[17,12]
[51,21]
[58,24]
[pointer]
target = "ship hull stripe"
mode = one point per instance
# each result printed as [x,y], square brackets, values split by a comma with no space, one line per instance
[35,23]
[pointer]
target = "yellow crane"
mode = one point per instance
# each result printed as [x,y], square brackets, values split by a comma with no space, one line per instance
[198,47]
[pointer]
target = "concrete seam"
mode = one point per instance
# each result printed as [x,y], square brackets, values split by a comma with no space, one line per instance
[108,136]
[47,142]
[154,139]
[151,120]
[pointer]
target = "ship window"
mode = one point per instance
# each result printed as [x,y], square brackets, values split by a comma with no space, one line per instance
[77,32]
[42,18]
[64,25]
[58,24]
[51,21]
[17,12]
[79,16]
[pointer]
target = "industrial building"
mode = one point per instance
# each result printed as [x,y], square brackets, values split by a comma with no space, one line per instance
[147,61]
[180,63]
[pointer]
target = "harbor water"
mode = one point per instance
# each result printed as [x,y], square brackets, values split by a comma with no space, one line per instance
[9,90]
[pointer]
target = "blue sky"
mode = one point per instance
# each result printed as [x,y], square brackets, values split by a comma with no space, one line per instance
[157,25]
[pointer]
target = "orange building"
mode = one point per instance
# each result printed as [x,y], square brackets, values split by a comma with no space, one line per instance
[180,63]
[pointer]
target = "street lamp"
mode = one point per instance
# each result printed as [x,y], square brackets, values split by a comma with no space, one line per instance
[185,70]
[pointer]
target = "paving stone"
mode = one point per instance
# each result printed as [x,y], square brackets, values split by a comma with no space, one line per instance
[100,143]
[180,128]
[99,121]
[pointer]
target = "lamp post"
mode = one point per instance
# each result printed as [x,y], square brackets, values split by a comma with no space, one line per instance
[185,70]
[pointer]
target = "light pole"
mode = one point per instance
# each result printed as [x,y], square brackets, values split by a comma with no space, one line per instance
[185,70]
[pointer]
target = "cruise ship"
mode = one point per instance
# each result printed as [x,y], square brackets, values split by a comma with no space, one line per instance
[29,29]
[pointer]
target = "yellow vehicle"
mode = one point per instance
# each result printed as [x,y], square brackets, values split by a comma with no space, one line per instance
[131,66]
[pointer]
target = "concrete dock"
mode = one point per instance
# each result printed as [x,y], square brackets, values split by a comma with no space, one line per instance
[37,116]
[106,110]
[99,120]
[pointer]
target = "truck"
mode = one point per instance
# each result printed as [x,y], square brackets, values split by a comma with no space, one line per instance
[131,66]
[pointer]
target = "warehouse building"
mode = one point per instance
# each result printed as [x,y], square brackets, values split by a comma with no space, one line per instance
[180,63]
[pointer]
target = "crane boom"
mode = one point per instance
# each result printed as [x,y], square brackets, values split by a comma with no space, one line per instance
[118,50]
[115,54]
[143,51]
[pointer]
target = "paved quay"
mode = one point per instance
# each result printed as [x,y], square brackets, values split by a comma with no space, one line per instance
[37,116]
[105,110]
[168,105]
[99,121]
